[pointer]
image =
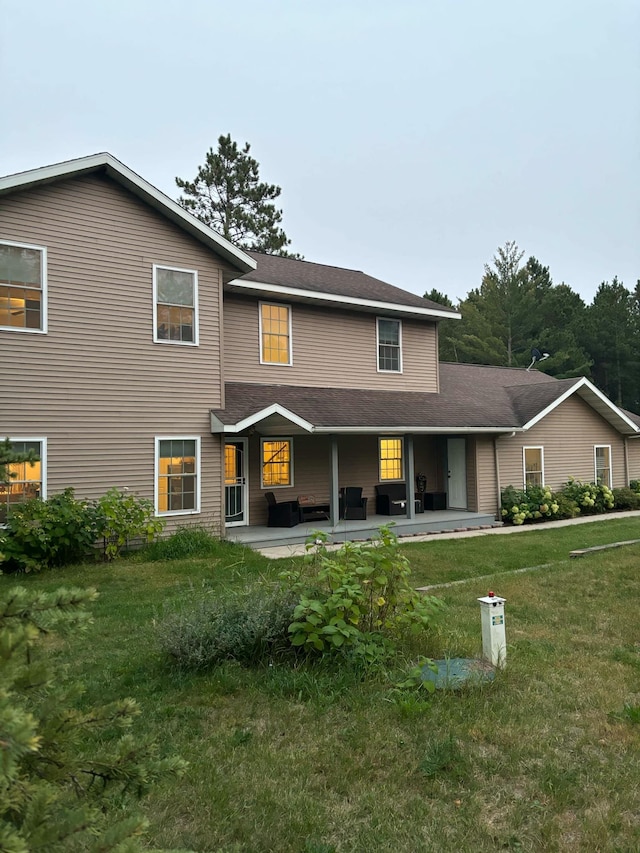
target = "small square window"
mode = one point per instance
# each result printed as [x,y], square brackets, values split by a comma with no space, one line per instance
[175,306]
[23,287]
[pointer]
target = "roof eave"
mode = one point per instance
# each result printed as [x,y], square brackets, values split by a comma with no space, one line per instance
[261,288]
[139,187]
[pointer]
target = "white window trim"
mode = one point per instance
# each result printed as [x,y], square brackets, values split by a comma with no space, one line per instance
[597,447]
[539,447]
[264,438]
[400,366]
[156,474]
[400,479]
[44,303]
[43,461]
[290,313]
[196,324]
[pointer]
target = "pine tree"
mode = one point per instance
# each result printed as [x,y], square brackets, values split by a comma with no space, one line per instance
[53,796]
[228,196]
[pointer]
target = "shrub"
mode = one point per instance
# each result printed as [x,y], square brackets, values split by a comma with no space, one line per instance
[567,507]
[626,499]
[43,534]
[357,599]
[248,627]
[123,516]
[634,485]
[532,504]
[590,497]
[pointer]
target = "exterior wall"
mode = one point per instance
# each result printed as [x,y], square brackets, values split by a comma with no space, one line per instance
[568,435]
[330,347]
[633,453]
[486,484]
[472,475]
[96,385]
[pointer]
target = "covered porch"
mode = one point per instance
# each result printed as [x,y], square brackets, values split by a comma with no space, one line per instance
[352,530]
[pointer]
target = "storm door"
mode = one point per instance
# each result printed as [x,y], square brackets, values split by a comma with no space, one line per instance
[457,473]
[235,483]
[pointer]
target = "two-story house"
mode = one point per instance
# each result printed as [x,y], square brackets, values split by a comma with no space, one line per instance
[141,349]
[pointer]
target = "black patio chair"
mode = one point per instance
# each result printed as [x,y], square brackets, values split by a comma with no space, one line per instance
[283,514]
[352,504]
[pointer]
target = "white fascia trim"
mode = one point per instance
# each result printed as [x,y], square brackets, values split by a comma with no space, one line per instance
[126,176]
[274,409]
[581,383]
[415,430]
[342,300]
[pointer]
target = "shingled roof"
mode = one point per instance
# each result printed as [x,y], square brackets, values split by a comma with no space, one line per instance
[473,398]
[305,277]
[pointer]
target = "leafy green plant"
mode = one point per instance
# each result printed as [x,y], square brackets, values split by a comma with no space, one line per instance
[123,516]
[44,534]
[442,754]
[531,504]
[634,485]
[248,627]
[357,599]
[187,541]
[54,795]
[626,499]
[590,497]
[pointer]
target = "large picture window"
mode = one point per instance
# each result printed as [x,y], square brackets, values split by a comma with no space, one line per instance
[178,475]
[275,334]
[603,464]
[23,287]
[389,345]
[533,464]
[277,462]
[25,480]
[391,461]
[175,297]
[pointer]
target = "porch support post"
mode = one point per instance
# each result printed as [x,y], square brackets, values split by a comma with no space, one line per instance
[334,498]
[409,475]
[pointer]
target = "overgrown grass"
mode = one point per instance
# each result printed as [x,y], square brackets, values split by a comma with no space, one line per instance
[547,757]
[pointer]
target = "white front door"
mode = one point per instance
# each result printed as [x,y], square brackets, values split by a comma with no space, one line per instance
[457,473]
[236,490]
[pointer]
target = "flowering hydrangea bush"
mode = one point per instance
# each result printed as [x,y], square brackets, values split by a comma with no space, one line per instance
[531,504]
[537,503]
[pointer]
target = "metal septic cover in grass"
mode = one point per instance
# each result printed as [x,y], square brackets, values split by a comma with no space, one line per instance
[456,672]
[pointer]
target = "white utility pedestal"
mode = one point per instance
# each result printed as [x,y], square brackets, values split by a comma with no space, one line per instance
[494,640]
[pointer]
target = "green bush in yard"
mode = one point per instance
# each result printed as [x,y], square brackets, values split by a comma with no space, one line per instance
[249,627]
[626,499]
[123,516]
[590,497]
[357,599]
[186,542]
[45,534]
[534,503]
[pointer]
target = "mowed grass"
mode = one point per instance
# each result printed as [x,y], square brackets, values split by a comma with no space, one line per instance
[317,759]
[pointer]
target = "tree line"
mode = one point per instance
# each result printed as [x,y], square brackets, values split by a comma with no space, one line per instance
[518,307]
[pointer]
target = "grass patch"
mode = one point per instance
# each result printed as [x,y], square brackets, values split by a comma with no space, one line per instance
[312,758]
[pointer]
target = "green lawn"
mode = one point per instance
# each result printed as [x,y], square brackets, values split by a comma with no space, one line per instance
[543,759]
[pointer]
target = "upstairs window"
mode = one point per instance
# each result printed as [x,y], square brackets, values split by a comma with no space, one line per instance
[603,464]
[277,462]
[23,287]
[25,480]
[389,345]
[275,334]
[533,463]
[175,298]
[391,461]
[177,480]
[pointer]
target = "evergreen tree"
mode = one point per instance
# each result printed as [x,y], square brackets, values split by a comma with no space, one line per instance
[53,795]
[436,296]
[228,196]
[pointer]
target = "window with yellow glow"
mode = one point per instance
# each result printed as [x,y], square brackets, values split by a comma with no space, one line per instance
[275,334]
[277,462]
[533,466]
[230,463]
[22,287]
[24,479]
[391,464]
[178,475]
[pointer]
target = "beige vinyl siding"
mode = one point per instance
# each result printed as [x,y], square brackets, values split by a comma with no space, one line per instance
[96,385]
[633,453]
[331,347]
[472,475]
[568,435]
[486,485]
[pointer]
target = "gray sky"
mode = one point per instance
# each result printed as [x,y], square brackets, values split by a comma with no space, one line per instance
[410,138]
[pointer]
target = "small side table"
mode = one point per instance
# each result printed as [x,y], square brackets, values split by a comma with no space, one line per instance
[434,500]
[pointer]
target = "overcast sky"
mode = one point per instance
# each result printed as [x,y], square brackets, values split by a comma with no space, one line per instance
[410,138]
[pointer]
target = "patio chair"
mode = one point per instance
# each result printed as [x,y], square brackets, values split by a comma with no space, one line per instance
[352,504]
[283,514]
